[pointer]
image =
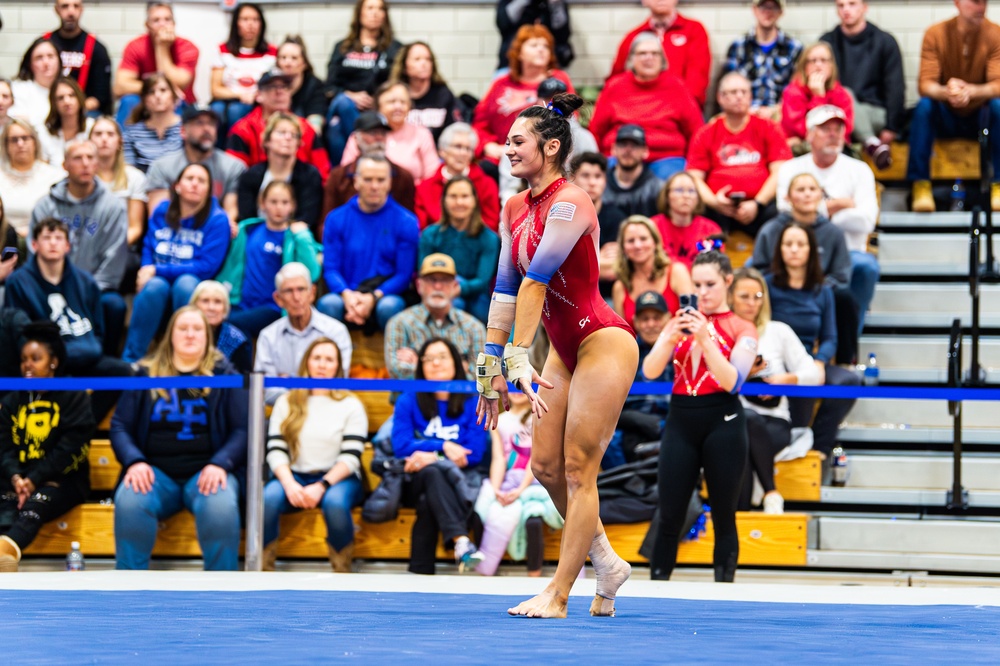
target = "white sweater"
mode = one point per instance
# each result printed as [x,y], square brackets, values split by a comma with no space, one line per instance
[334,431]
[783,352]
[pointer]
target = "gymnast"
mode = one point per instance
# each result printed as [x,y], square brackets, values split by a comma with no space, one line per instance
[548,273]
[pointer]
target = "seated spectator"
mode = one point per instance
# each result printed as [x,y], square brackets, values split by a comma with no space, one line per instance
[644,266]
[98,228]
[408,145]
[512,504]
[266,244]
[24,177]
[436,316]
[735,159]
[199,132]
[959,86]
[50,288]
[40,67]
[153,128]
[12,324]
[273,96]
[589,172]
[871,69]
[805,196]
[800,299]
[532,60]
[359,64]
[680,222]
[369,250]
[159,51]
[632,186]
[282,138]
[457,147]
[766,56]
[684,42]
[461,236]
[849,197]
[781,360]
[815,83]
[213,300]
[84,57]
[553,14]
[6,102]
[653,98]
[308,100]
[240,63]
[281,345]
[9,236]
[67,120]
[315,441]
[186,243]
[181,449]
[44,471]
[446,456]
[432,103]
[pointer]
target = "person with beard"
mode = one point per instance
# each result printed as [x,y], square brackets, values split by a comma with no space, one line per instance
[84,58]
[632,187]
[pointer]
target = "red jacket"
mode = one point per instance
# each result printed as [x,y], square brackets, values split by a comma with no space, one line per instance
[245,143]
[686,45]
[428,200]
[798,100]
[506,98]
[663,107]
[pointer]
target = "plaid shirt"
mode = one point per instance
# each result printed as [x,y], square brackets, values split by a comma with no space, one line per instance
[769,72]
[414,326]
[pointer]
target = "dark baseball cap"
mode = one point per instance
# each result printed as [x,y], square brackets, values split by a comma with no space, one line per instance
[371,120]
[650,300]
[551,87]
[273,76]
[195,111]
[632,133]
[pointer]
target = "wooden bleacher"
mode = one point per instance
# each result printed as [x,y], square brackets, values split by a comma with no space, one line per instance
[950,159]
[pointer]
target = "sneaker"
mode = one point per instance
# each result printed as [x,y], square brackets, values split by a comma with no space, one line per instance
[774,504]
[995,196]
[467,556]
[923,197]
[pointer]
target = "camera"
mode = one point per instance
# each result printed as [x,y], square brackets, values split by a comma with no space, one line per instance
[688,303]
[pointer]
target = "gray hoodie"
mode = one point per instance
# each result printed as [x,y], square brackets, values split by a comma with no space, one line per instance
[833,254]
[98,228]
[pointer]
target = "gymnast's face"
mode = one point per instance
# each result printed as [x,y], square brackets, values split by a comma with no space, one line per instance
[523,151]
[712,288]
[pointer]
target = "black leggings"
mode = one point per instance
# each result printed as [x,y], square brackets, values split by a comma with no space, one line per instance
[45,504]
[831,412]
[439,509]
[767,435]
[707,432]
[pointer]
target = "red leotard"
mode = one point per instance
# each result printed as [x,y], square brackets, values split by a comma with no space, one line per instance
[691,374]
[573,307]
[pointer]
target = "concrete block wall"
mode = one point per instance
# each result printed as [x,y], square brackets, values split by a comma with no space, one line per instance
[464,37]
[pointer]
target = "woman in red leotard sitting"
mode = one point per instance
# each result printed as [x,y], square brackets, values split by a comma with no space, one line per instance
[712,351]
[643,265]
[548,273]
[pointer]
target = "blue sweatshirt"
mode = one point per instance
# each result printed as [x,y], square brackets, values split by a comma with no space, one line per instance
[358,246]
[810,314]
[199,252]
[411,432]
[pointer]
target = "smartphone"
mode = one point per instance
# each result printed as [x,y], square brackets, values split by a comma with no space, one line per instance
[9,252]
[688,303]
[737,197]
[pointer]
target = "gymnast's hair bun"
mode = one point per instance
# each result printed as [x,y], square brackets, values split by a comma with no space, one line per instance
[565,103]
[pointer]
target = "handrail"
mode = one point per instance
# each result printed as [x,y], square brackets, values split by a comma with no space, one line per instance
[985,187]
[975,233]
[957,498]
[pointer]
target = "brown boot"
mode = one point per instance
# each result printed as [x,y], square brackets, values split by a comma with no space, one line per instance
[270,556]
[923,197]
[341,559]
[10,555]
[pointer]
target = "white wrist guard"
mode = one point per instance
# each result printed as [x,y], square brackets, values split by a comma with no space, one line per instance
[487,367]
[518,366]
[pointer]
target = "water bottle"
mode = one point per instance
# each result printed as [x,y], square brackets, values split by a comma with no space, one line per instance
[841,466]
[871,371]
[958,196]
[74,561]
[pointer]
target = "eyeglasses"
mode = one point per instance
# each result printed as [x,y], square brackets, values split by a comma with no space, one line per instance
[751,297]
[20,139]
[286,134]
[686,191]
[436,358]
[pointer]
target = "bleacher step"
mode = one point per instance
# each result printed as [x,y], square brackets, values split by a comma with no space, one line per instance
[923,358]
[932,254]
[919,413]
[906,219]
[915,304]
[922,472]
[915,497]
[901,561]
[912,436]
[978,538]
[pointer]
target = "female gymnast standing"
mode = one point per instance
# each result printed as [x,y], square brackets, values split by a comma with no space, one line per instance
[548,273]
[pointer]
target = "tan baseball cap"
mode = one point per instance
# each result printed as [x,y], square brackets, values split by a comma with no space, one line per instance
[437,263]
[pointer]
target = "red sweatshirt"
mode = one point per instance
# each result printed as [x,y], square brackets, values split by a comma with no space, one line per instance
[798,100]
[246,143]
[506,98]
[428,199]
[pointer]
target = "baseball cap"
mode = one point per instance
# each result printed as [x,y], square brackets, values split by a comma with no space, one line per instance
[551,87]
[273,76]
[632,133]
[651,300]
[822,114]
[193,111]
[371,120]
[437,263]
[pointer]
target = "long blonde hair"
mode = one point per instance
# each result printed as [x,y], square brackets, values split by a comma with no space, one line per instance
[764,314]
[161,362]
[661,262]
[298,399]
[120,181]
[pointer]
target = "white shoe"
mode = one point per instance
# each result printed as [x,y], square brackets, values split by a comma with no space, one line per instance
[774,504]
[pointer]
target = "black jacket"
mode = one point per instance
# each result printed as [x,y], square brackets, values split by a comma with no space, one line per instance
[306,183]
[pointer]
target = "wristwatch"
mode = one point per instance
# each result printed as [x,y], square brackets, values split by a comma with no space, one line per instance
[326,484]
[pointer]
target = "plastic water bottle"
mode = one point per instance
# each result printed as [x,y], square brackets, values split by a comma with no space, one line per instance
[841,466]
[871,371]
[958,195]
[74,561]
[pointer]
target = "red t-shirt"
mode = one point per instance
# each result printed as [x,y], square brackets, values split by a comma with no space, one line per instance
[742,159]
[139,58]
[428,198]
[681,243]
[499,107]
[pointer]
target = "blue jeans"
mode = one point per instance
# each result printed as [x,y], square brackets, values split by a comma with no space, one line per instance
[336,506]
[340,119]
[254,320]
[150,307]
[934,120]
[865,272]
[332,305]
[478,306]
[230,111]
[217,518]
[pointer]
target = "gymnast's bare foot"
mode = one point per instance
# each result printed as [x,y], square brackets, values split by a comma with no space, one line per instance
[547,604]
[612,572]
